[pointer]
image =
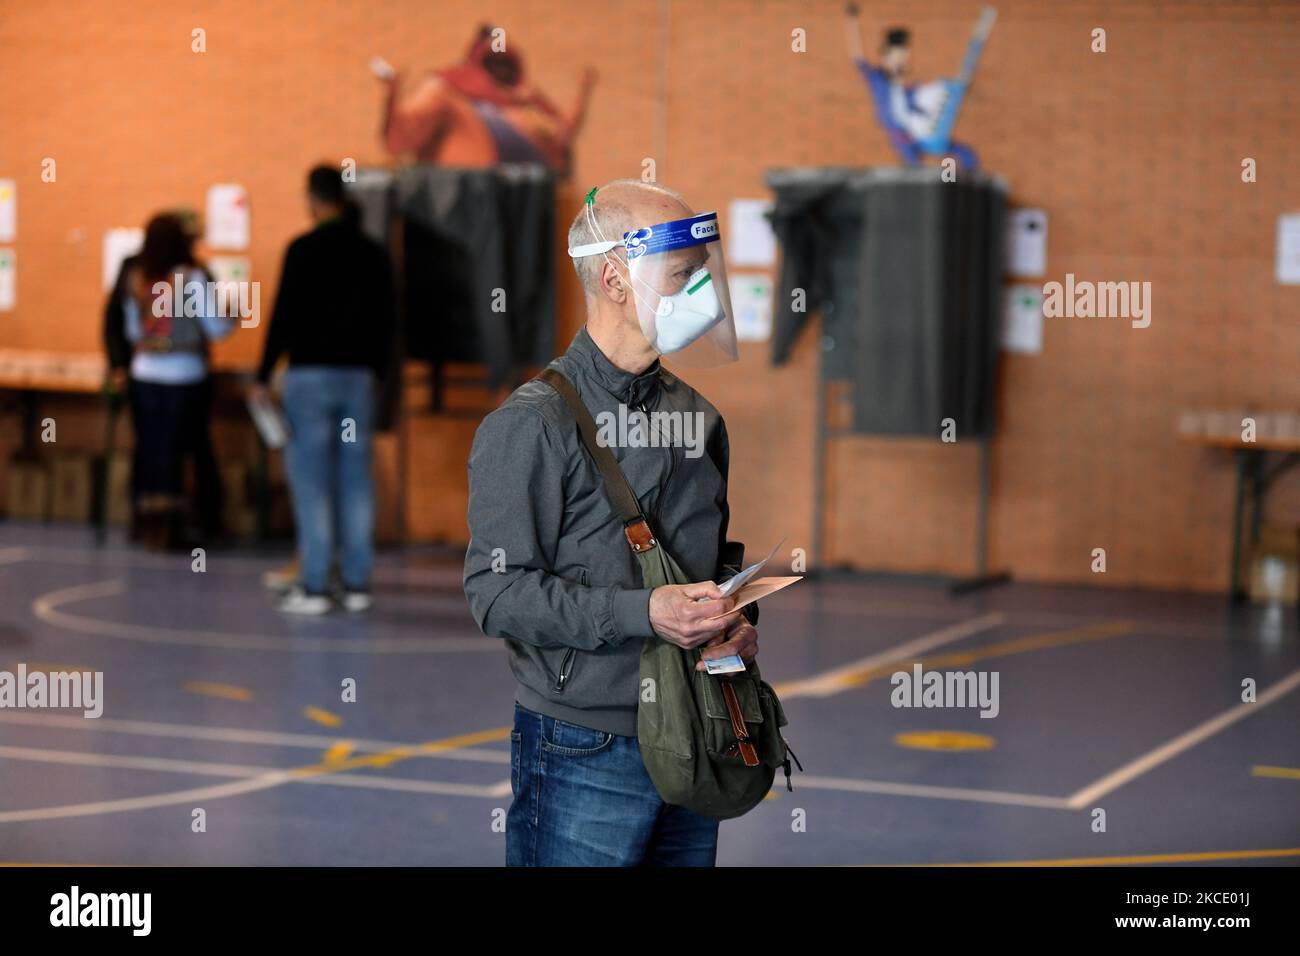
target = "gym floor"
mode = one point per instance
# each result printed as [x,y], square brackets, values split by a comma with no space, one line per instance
[1125,702]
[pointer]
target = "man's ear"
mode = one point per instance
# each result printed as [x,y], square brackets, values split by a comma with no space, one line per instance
[611,283]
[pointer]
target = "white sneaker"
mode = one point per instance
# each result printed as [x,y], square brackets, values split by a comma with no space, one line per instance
[298,601]
[356,600]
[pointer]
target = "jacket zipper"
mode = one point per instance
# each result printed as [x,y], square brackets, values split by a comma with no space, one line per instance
[565,666]
[672,466]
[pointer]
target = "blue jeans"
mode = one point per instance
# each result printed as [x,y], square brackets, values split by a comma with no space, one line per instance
[328,466]
[583,798]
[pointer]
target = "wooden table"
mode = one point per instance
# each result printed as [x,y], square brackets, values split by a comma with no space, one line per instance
[30,374]
[1275,435]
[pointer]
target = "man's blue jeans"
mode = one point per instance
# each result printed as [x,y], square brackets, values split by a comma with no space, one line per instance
[583,798]
[328,462]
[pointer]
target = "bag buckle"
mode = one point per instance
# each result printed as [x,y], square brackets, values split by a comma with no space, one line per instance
[639,536]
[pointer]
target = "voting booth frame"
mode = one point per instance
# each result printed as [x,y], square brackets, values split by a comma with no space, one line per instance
[911,295]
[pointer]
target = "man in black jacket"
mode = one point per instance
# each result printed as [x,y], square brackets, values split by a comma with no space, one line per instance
[334,320]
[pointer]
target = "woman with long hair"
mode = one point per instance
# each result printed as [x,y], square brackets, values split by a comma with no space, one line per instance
[170,389]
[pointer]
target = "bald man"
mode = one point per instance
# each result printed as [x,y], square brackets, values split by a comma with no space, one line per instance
[549,570]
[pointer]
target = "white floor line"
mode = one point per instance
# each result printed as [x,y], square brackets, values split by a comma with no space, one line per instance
[835,681]
[921,790]
[1135,768]
[236,735]
[255,779]
[195,797]
[367,782]
[46,608]
[376,782]
[160,764]
[219,563]
[14,555]
[110,557]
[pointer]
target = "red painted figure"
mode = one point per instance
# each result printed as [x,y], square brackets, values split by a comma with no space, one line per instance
[481,112]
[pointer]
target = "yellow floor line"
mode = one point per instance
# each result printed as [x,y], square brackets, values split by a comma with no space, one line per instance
[322,716]
[1138,860]
[1020,645]
[338,752]
[389,757]
[1285,773]
[212,689]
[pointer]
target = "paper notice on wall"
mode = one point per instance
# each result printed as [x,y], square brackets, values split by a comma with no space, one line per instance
[750,239]
[230,268]
[1026,242]
[228,221]
[751,301]
[119,245]
[1288,249]
[1022,320]
[8,210]
[8,280]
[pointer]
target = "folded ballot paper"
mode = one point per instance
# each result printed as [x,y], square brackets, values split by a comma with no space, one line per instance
[747,588]
[269,420]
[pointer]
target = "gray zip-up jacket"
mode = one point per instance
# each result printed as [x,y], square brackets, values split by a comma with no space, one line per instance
[548,568]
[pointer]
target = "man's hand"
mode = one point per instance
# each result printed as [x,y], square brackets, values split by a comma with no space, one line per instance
[680,613]
[740,638]
[257,392]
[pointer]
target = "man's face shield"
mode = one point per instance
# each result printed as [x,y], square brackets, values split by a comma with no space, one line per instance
[678,280]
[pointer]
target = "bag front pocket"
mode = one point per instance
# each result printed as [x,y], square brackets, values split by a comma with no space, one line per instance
[715,705]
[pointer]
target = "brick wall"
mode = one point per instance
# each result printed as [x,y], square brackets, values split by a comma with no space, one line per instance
[1134,153]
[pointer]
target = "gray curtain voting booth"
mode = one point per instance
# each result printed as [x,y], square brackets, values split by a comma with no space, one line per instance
[906,272]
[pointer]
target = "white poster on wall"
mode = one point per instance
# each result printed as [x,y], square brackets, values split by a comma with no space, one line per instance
[230,268]
[8,210]
[1026,242]
[751,300]
[750,239]
[119,244]
[8,280]
[228,221]
[1288,249]
[1022,320]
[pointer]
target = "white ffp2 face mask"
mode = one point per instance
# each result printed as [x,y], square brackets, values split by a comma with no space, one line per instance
[682,318]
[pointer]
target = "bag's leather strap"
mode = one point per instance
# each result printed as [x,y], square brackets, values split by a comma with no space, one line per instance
[738,727]
[635,528]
